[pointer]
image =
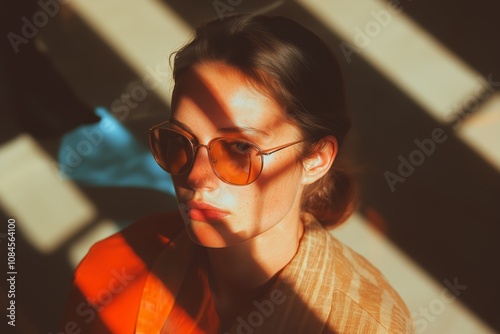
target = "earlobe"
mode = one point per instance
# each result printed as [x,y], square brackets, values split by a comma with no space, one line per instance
[320,160]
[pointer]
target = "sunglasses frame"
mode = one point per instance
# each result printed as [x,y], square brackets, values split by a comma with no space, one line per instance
[195,146]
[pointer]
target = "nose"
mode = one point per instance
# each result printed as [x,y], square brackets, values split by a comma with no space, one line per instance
[201,176]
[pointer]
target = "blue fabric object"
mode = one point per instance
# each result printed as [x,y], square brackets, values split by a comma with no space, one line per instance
[107,154]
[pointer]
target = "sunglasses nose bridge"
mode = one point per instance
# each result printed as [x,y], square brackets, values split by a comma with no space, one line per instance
[210,156]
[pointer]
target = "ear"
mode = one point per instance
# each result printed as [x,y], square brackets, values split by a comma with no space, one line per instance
[318,163]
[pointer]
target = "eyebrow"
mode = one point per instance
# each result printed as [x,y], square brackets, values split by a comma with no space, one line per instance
[226,130]
[181,125]
[243,129]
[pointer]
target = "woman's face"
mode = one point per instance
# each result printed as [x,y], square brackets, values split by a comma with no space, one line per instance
[215,100]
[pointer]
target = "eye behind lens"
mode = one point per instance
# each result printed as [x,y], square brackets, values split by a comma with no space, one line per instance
[235,161]
[173,151]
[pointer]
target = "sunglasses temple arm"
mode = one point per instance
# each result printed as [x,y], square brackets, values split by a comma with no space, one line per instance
[279,148]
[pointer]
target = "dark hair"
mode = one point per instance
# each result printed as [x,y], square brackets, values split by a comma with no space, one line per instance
[299,71]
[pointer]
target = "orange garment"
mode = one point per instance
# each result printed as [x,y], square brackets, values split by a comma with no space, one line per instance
[151,278]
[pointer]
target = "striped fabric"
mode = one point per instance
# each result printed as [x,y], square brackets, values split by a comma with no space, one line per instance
[332,289]
[326,288]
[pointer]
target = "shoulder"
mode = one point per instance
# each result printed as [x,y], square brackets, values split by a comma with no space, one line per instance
[364,297]
[141,241]
[115,269]
[363,300]
[145,237]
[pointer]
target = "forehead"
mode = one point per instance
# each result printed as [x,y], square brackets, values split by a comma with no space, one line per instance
[216,95]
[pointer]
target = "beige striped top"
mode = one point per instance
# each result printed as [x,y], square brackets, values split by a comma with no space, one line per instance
[325,288]
[329,288]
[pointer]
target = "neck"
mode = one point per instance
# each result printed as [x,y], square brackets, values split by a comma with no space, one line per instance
[246,267]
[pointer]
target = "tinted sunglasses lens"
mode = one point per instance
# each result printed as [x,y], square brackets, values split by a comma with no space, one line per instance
[172,151]
[235,161]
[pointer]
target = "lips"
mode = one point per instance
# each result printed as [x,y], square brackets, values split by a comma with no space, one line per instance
[204,212]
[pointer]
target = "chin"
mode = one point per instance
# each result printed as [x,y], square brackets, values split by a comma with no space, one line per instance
[212,234]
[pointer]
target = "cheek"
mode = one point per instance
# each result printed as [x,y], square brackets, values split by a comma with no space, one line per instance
[278,189]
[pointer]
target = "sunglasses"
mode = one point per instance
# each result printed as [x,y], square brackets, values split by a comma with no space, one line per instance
[233,160]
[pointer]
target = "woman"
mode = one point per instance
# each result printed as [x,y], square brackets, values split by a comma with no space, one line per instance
[257,119]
